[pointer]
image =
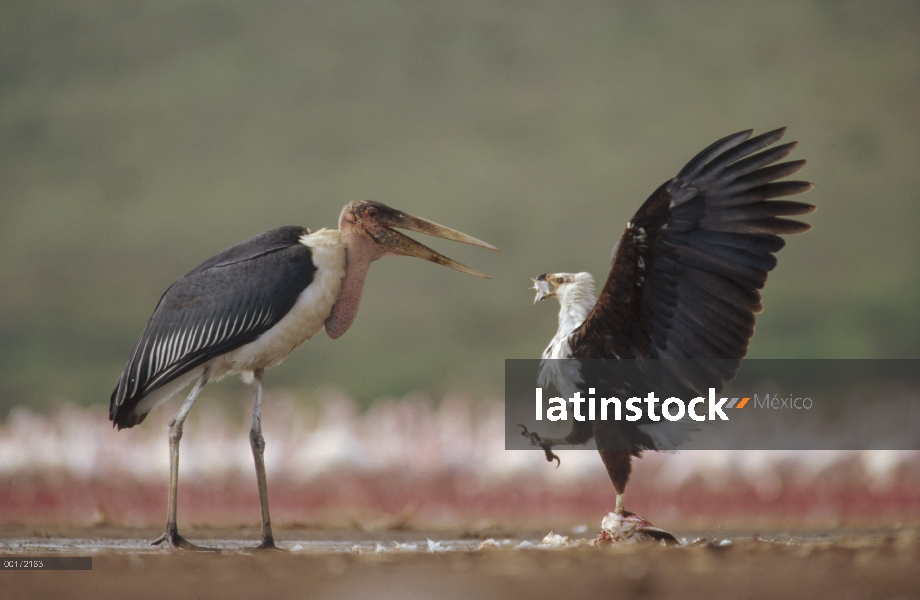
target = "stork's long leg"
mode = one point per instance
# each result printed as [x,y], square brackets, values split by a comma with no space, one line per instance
[258,449]
[175,434]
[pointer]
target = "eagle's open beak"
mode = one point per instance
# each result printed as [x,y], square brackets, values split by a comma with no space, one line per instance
[543,288]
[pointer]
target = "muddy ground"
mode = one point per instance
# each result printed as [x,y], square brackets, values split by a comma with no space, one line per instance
[401,563]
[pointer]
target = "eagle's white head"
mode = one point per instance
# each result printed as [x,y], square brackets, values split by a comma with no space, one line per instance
[575,292]
[567,287]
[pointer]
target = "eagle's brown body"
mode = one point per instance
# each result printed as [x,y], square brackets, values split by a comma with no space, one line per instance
[684,281]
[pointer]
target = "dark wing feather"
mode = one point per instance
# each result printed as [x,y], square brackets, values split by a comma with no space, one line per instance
[685,276]
[224,303]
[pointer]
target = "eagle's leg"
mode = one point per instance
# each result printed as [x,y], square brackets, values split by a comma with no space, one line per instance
[619,466]
[622,525]
[171,535]
[258,450]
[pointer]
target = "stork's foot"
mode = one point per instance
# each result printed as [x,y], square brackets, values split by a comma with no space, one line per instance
[630,528]
[172,537]
[547,445]
[268,545]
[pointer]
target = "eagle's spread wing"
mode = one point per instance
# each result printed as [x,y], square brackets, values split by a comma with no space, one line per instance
[685,276]
[208,312]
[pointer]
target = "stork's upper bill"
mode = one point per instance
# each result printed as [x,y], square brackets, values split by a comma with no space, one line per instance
[376,221]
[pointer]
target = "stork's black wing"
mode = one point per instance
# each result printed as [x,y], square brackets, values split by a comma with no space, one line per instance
[685,276]
[224,303]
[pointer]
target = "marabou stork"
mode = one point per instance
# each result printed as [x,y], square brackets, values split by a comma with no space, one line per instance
[682,285]
[245,309]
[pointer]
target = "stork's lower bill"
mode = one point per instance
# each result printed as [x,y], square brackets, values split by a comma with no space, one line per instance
[246,309]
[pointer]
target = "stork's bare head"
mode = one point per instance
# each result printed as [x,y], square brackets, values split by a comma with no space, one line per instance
[375,222]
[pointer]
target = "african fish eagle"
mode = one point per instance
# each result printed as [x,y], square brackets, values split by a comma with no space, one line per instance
[683,284]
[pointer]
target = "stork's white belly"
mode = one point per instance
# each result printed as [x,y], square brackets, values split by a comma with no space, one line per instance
[304,319]
[160,395]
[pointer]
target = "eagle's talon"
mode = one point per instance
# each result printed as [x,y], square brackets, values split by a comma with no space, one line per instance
[536,440]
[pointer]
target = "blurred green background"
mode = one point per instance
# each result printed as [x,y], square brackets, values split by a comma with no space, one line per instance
[139,138]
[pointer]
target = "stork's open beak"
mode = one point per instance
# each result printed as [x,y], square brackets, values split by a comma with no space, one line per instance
[406,245]
[543,288]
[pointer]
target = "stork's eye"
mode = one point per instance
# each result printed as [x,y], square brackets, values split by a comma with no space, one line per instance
[372,212]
